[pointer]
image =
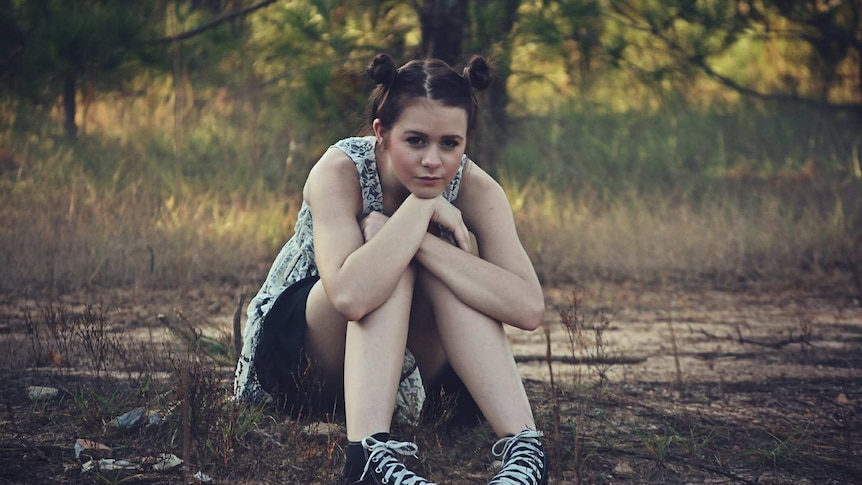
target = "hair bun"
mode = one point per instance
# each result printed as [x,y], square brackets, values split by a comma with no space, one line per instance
[478,73]
[382,69]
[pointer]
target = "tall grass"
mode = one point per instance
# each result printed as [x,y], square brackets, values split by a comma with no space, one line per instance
[75,217]
[648,236]
[738,191]
[745,191]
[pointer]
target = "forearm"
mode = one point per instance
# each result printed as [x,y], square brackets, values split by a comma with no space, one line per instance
[368,276]
[495,291]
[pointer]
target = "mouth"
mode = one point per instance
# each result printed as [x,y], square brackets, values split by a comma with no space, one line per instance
[429,180]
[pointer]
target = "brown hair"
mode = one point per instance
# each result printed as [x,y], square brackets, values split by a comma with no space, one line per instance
[431,79]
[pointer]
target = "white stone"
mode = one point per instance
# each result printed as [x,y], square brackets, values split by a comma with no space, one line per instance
[40,393]
[166,462]
[131,419]
[110,465]
[202,477]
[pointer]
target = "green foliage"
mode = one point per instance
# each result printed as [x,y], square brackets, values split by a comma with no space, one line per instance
[677,146]
[46,40]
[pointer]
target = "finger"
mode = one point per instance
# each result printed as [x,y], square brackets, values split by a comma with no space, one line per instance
[463,240]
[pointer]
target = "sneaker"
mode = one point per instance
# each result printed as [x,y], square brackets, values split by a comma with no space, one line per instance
[524,460]
[382,466]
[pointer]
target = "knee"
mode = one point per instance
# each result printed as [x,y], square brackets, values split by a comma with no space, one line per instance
[355,304]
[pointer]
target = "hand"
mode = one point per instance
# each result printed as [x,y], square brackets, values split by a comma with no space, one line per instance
[371,224]
[449,217]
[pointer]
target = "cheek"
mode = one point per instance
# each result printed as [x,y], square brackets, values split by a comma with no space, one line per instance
[452,164]
[402,159]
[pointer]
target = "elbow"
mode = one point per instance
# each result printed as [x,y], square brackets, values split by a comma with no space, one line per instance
[532,323]
[351,307]
[534,317]
[352,314]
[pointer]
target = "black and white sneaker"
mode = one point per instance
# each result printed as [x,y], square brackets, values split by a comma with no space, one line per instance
[524,460]
[382,466]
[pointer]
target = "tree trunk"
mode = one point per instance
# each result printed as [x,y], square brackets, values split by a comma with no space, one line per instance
[495,38]
[442,24]
[491,134]
[70,90]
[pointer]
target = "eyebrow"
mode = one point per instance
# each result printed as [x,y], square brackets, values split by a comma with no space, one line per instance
[425,135]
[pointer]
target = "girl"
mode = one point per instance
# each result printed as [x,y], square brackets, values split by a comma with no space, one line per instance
[381,264]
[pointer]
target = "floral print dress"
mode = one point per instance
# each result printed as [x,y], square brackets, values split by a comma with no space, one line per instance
[296,261]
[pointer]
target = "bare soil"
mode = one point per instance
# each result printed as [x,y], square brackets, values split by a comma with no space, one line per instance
[672,382]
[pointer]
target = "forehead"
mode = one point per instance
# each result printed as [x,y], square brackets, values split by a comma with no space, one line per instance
[433,117]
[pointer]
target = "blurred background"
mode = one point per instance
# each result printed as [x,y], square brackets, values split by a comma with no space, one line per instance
[161,143]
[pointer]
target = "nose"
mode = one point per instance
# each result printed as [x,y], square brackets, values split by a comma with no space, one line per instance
[432,158]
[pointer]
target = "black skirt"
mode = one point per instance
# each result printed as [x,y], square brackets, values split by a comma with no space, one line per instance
[281,363]
[285,371]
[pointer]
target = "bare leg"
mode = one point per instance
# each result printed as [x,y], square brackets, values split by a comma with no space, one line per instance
[479,352]
[368,354]
[423,339]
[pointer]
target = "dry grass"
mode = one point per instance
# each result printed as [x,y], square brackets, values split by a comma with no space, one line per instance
[794,421]
[136,235]
[757,232]
[82,235]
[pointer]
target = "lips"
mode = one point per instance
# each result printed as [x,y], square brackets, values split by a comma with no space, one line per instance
[429,180]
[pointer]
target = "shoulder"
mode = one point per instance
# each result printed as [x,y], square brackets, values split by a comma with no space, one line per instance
[333,175]
[477,185]
[482,200]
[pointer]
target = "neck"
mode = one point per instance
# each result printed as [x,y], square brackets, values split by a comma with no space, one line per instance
[394,192]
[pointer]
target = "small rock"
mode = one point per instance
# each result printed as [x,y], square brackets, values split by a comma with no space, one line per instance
[90,466]
[110,465]
[153,417]
[166,462]
[202,477]
[131,419]
[42,393]
[91,449]
[842,399]
[623,470]
[107,465]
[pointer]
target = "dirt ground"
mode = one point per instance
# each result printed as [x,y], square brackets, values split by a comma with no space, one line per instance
[666,383]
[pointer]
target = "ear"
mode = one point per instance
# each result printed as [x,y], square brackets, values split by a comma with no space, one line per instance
[379,131]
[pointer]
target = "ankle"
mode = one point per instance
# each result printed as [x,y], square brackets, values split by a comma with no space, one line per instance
[523,459]
[357,456]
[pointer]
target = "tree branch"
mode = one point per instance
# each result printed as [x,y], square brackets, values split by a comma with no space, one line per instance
[699,62]
[213,23]
[730,83]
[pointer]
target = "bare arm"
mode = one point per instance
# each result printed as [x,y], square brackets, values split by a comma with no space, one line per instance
[501,281]
[359,275]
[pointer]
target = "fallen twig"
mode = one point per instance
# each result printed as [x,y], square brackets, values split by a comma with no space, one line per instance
[778,345]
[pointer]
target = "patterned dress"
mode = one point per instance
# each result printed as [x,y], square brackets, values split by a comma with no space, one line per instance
[296,261]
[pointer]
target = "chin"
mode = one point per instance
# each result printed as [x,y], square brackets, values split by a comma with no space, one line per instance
[427,193]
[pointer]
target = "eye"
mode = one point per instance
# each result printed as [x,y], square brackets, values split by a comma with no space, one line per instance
[415,140]
[450,144]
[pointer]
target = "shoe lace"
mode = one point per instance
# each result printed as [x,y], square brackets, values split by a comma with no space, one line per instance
[522,455]
[387,465]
